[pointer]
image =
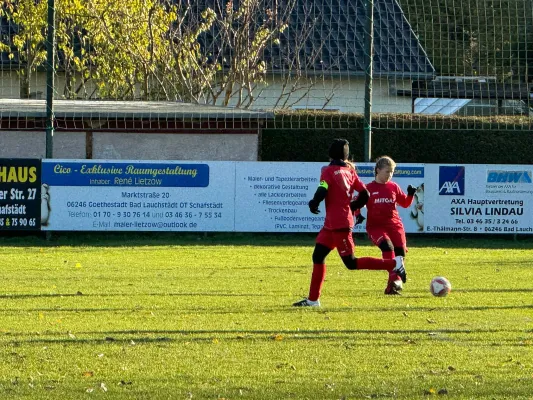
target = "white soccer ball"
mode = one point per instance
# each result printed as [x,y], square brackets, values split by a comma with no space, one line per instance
[440,286]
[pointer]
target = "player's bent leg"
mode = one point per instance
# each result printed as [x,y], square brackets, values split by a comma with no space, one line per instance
[394,286]
[375,264]
[399,241]
[382,240]
[350,261]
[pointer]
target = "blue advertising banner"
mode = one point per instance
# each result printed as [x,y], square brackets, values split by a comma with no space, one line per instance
[126,174]
[82,195]
[367,171]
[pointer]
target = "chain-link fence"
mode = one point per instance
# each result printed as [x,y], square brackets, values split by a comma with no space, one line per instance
[432,59]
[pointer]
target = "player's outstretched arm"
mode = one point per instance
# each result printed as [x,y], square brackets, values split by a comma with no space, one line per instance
[405,200]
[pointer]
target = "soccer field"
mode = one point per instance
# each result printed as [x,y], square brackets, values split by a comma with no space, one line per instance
[193,317]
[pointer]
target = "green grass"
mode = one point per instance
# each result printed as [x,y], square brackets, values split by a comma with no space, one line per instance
[180,317]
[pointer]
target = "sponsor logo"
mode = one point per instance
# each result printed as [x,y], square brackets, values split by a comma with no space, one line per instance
[451,181]
[509,177]
[384,200]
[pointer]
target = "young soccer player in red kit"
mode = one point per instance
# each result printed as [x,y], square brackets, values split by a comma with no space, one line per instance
[338,181]
[383,223]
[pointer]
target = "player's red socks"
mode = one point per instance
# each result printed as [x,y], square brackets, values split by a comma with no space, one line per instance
[375,264]
[317,279]
[387,255]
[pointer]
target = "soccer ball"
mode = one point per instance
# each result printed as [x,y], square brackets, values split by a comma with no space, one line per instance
[440,286]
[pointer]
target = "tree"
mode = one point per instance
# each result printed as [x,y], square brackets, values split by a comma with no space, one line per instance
[213,53]
[124,40]
[28,43]
[216,53]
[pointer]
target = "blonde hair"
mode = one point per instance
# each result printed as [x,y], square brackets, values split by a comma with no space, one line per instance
[382,162]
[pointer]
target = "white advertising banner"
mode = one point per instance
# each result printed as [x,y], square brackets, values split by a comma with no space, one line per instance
[227,196]
[479,198]
[273,197]
[100,195]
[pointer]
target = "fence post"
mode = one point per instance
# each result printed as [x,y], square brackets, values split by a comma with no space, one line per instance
[369,63]
[50,69]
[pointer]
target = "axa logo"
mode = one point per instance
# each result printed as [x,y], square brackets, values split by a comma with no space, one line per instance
[509,177]
[451,181]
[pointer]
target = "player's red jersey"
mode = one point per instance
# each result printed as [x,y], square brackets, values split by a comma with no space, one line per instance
[341,182]
[381,205]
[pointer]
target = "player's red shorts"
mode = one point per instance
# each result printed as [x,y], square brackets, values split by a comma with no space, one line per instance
[394,234]
[341,240]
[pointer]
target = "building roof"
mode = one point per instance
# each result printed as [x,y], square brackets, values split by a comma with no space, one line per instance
[328,35]
[129,116]
[93,109]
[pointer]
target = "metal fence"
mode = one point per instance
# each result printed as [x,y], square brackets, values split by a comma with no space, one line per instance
[417,59]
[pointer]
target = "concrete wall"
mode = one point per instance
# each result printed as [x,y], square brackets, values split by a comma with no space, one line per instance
[132,146]
[25,144]
[213,147]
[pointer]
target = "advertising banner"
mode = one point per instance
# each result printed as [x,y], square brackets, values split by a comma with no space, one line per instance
[273,197]
[20,194]
[479,198]
[101,195]
[230,196]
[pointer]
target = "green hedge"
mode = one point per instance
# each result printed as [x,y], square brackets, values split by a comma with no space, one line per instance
[406,138]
